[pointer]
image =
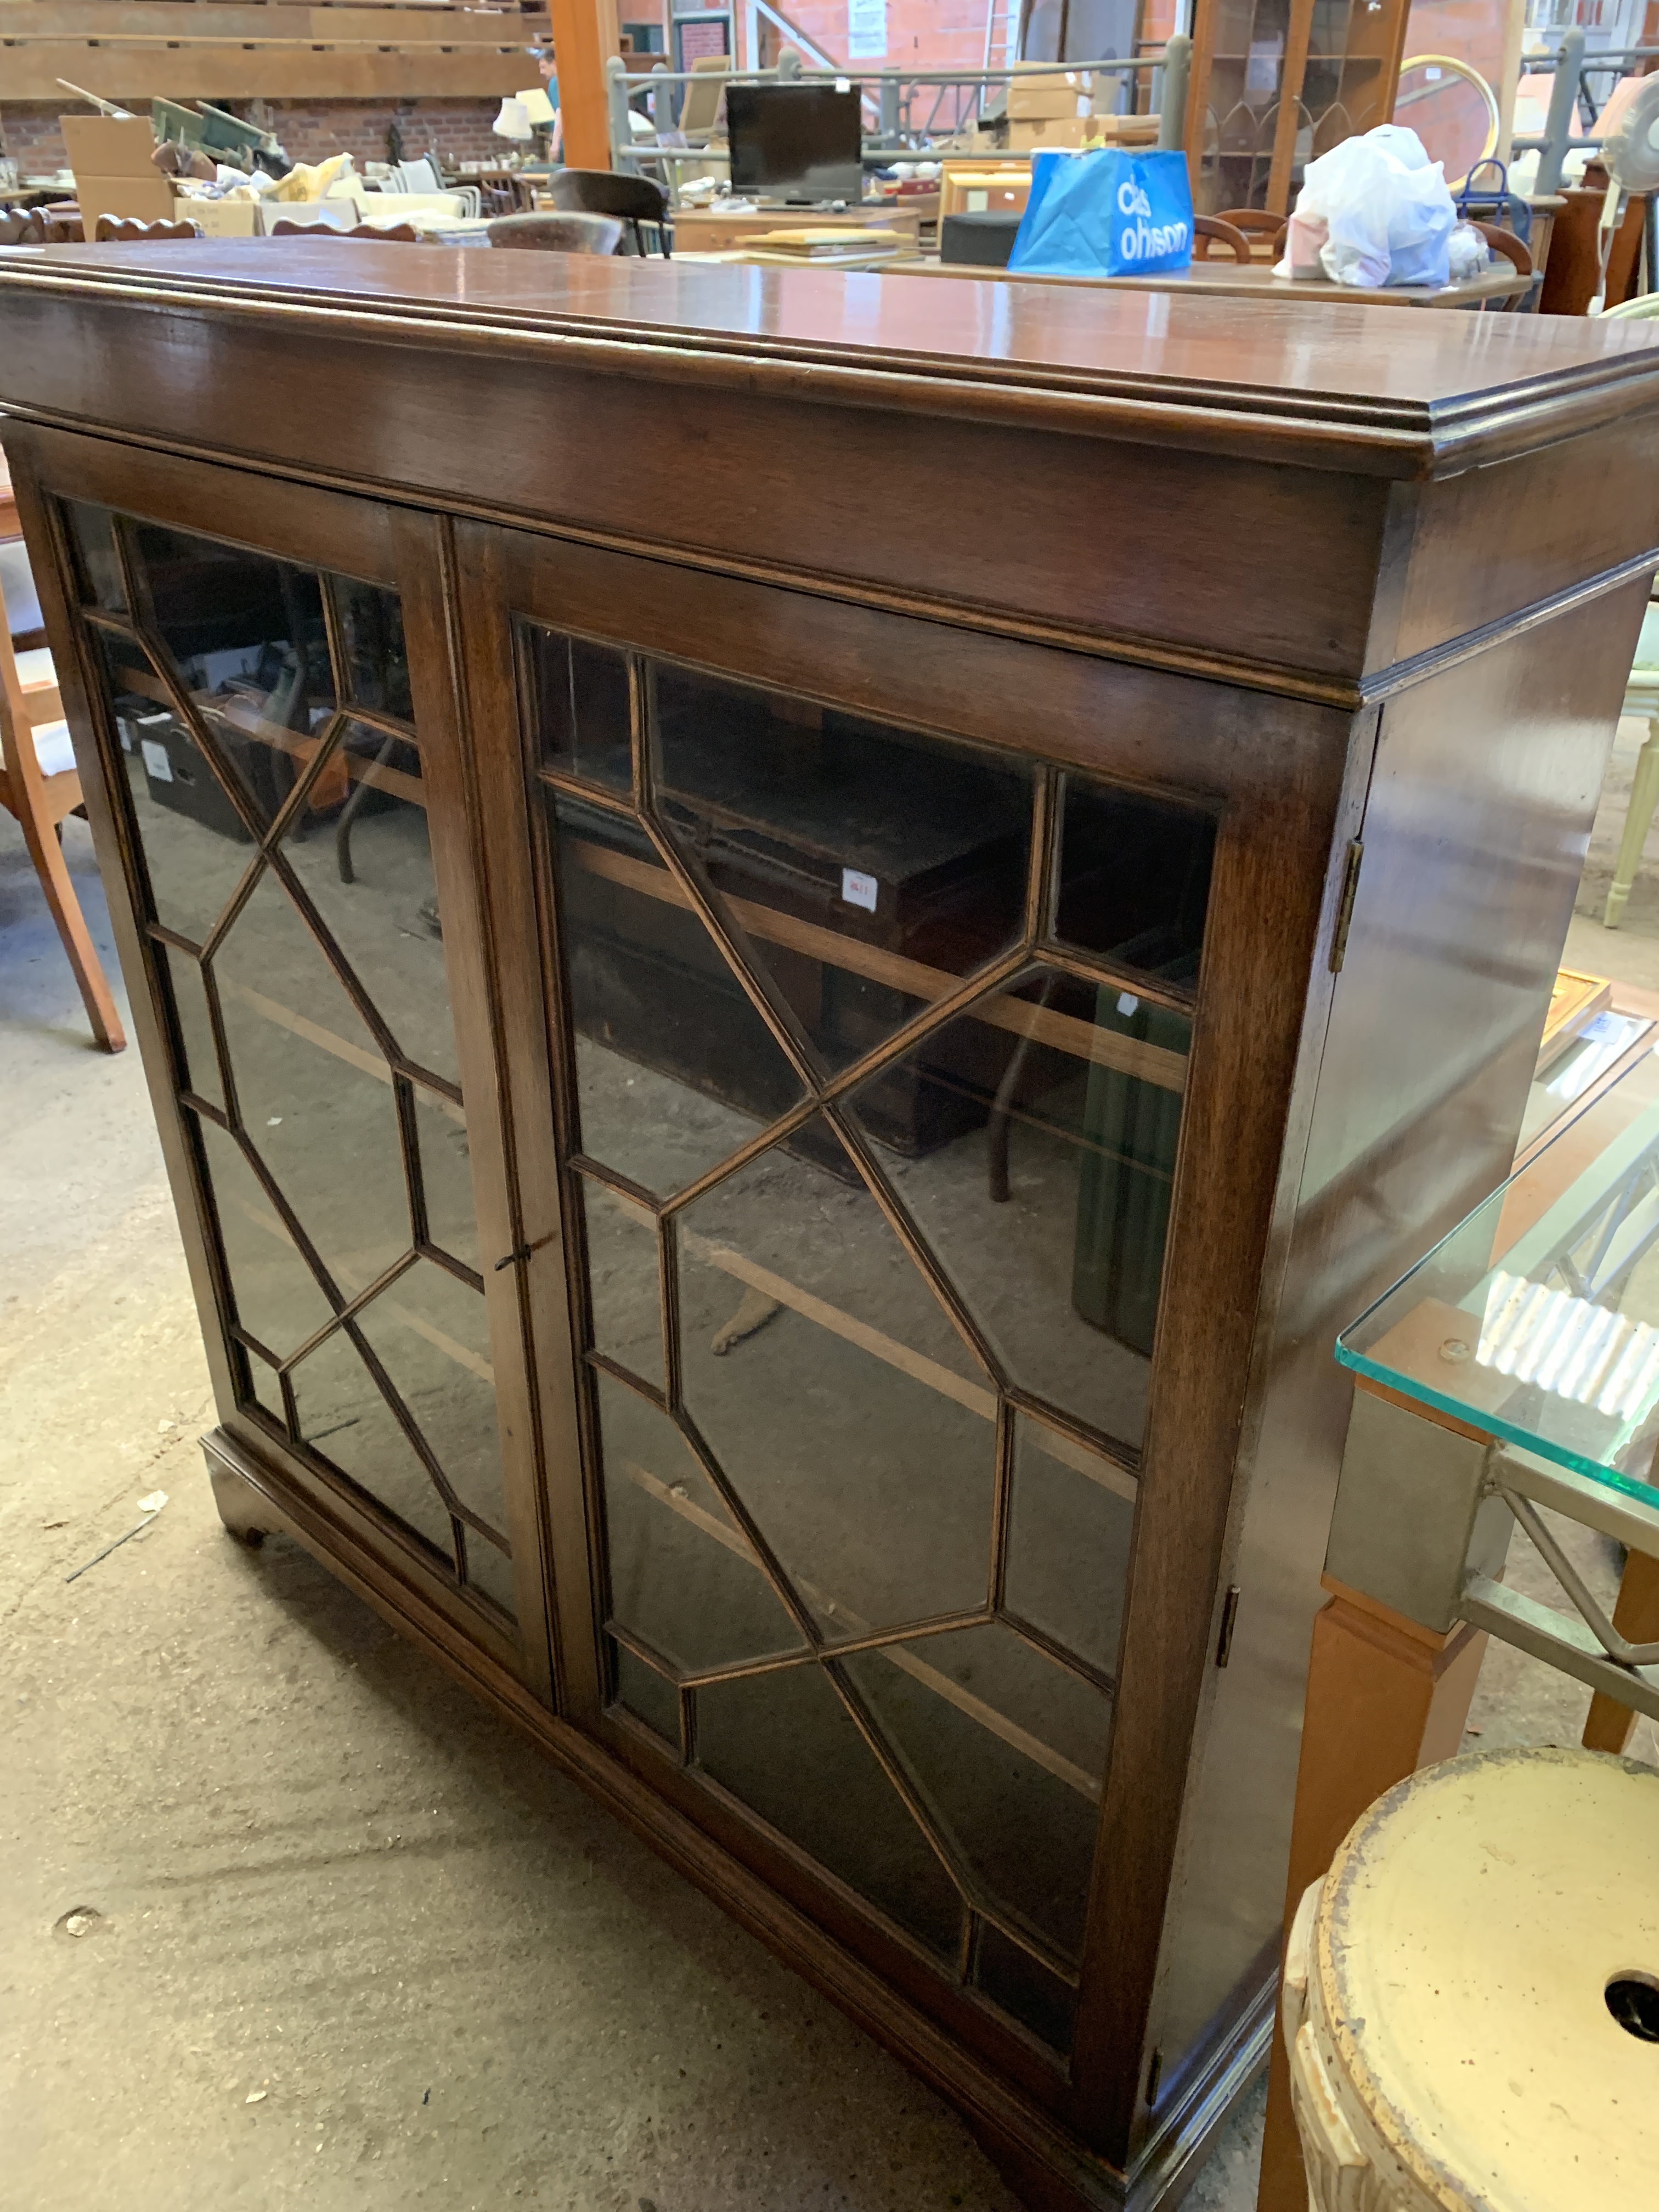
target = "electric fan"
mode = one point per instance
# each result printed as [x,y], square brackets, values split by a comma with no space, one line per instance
[1631,154]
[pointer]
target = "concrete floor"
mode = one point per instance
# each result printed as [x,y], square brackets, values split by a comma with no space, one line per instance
[338,1935]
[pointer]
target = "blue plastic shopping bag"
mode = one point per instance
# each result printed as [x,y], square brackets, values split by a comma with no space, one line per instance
[1105,214]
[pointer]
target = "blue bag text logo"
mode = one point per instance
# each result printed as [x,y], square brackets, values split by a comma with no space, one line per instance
[1142,239]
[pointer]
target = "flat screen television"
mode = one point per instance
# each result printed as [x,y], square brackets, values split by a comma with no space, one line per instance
[796,141]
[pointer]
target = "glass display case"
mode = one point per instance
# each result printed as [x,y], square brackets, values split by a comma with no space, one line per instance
[1275,83]
[766,1130]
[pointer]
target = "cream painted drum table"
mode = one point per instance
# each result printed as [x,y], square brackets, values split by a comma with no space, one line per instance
[1471,1996]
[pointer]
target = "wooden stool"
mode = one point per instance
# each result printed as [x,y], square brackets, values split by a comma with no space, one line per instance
[1471,1996]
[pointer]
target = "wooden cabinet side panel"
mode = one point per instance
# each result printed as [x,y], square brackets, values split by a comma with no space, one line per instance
[1474,832]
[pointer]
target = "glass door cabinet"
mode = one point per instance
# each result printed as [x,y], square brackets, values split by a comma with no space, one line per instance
[1275,83]
[746,1136]
[801,1331]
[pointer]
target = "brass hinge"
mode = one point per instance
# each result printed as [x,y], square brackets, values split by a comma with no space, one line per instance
[1345,908]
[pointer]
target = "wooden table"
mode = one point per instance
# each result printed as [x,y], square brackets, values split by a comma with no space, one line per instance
[1228,279]
[708,230]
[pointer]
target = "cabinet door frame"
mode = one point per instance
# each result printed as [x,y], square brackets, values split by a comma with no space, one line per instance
[401,549]
[1260,998]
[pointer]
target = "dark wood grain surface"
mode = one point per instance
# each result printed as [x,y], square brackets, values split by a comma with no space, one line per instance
[1419,377]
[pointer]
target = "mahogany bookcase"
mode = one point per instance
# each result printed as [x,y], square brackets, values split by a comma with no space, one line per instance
[798,943]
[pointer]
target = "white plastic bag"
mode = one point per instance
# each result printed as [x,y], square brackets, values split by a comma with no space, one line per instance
[1467,252]
[1385,209]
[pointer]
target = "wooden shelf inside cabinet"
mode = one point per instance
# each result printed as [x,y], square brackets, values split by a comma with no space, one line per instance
[748,1074]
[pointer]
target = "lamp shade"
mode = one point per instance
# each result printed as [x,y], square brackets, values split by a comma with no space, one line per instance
[513,122]
[536,104]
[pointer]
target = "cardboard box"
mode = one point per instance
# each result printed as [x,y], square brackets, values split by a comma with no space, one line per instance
[1127,130]
[1071,132]
[1045,98]
[114,174]
[220,218]
[1076,133]
[113,171]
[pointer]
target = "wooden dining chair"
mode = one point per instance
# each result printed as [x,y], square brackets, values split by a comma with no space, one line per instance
[634,201]
[1513,250]
[118,229]
[58,224]
[1257,223]
[39,785]
[1210,230]
[393,233]
[569,232]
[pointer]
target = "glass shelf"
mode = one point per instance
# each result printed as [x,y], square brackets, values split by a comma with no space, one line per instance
[1537,1319]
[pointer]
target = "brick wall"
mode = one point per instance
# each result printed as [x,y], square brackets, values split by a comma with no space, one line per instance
[920,34]
[459,129]
[951,33]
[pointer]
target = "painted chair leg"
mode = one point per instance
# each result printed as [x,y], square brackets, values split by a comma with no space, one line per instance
[70,922]
[1644,798]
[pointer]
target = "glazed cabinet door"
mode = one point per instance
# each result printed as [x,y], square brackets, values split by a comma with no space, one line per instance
[878,983]
[278,786]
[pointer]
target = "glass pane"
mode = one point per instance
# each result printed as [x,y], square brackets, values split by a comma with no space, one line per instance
[785,1744]
[624,1283]
[98,571]
[1134,879]
[1246,73]
[1536,1320]
[200,1071]
[868,868]
[1008,1748]
[195,847]
[274,1295]
[1046,1191]
[344,1417]
[369,875]
[675,1070]
[447,1174]
[267,1391]
[1071,1518]
[648,1696]
[313,1093]
[430,1335]
[1565,1086]
[682,1578]
[248,638]
[376,657]
[829,1383]
[579,706]
[489,1568]
[1012,1978]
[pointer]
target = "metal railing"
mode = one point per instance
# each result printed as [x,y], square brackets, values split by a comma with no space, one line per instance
[1572,99]
[913,113]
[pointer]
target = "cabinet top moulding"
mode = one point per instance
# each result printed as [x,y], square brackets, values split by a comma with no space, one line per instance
[1321,386]
[1271,494]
